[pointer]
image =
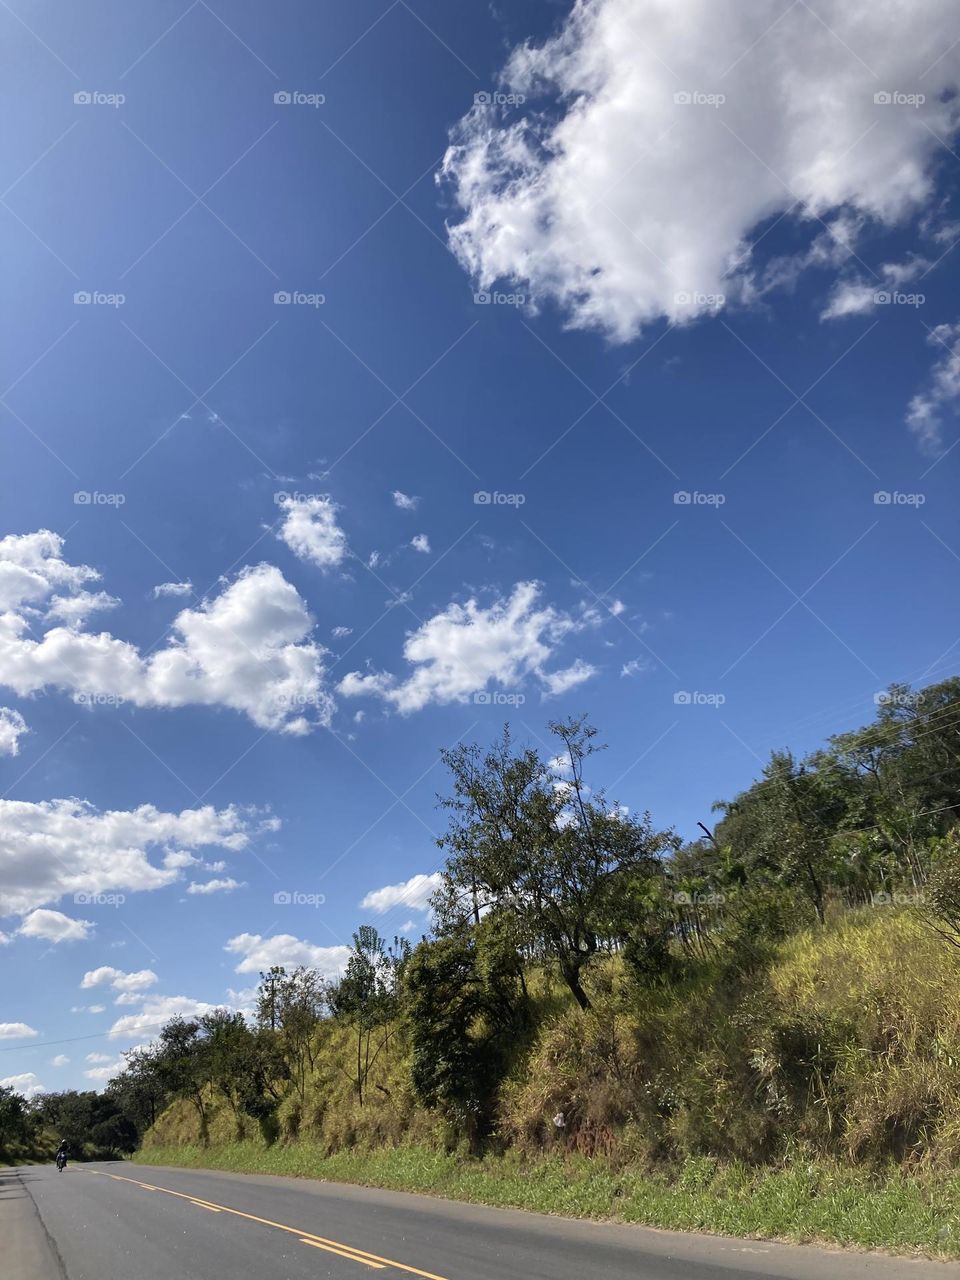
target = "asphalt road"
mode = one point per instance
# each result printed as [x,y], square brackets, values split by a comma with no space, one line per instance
[118,1221]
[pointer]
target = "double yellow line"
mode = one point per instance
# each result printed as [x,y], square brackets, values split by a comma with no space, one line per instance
[372,1260]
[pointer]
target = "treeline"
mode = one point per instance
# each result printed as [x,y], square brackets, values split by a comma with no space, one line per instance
[91,1124]
[546,874]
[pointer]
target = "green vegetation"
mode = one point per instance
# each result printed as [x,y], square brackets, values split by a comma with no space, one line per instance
[820,1202]
[756,1032]
[94,1127]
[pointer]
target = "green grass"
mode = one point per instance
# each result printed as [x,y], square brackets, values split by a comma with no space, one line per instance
[801,1202]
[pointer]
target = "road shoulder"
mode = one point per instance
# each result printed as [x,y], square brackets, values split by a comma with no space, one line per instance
[28,1253]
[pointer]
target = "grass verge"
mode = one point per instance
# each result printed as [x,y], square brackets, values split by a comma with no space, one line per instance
[802,1202]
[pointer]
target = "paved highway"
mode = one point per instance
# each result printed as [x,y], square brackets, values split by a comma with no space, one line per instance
[117,1221]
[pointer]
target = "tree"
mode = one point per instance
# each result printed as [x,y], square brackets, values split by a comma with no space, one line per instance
[368,996]
[291,1005]
[465,1010]
[13,1116]
[536,842]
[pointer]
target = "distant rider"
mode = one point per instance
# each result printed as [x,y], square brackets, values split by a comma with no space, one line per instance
[61,1156]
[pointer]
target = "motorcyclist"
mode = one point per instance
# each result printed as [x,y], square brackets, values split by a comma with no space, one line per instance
[62,1155]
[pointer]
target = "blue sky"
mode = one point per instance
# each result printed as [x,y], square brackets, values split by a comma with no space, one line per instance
[748,302]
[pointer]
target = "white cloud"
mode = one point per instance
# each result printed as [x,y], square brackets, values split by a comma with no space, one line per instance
[16,1031]
[172,589]
[311,531]
[98,1057]
[248,648]
[415,892]
[61,1060]
[258,953]
[12,728]
[56,847]
[54,926]
[404,501]
[856,297]
[925,410]
[634,667]
[465,647]
[624,205]
[156,1011]
[558,682]
[420,542]
[127,983]
[339,632]
[25,1084]
[215,886]
[105,1073]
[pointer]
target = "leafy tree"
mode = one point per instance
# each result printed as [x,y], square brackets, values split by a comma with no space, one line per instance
[291,1005]
[465,1009]
[368,996]
[13,1116]
[538,843]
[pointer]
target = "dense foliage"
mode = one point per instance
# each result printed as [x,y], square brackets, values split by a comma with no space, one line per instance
[589,974]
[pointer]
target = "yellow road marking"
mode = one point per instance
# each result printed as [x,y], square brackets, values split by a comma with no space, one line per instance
[201,1205]
[308,1237]
[377,1266]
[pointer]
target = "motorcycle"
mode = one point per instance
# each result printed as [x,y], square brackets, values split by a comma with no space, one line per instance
[61,1161]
